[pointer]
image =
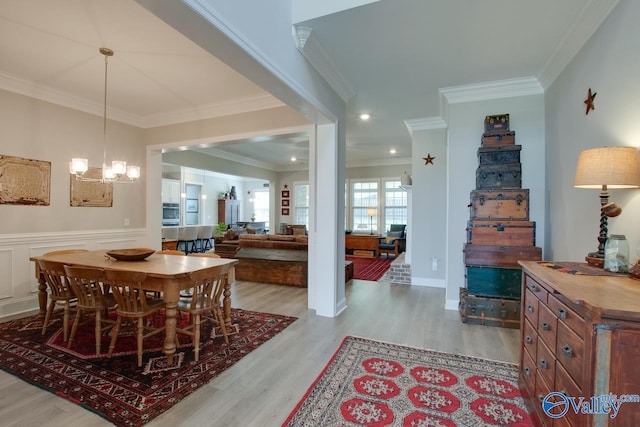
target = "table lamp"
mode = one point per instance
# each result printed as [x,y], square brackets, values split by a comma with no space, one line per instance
[371,212]
[606,168]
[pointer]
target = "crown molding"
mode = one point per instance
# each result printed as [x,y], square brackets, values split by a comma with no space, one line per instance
[235,106]
[425,123]
[391,161]
[308,44]
[215,152]
[47,94]
[492,90]
[43,93]
[584,26]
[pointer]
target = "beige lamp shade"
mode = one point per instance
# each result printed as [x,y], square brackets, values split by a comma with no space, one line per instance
[615,167]
[371,212]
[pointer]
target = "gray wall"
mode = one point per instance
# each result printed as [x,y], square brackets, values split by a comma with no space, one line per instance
[466,125]
[40,130]
[609,64]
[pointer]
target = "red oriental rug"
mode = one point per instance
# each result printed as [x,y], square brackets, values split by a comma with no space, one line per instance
[371,383]
[115,388]
[369,268]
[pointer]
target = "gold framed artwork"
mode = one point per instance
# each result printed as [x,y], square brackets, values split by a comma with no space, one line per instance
[24,181]
[91,193]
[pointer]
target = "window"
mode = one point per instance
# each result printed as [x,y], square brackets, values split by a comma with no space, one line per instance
[301,204]
[261,206]
[395,204]
[364,202]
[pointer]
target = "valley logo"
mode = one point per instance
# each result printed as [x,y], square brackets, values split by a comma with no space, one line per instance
[556,404]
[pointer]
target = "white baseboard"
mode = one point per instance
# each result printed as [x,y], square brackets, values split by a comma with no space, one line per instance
[341,306]
[452,304]
[432,283]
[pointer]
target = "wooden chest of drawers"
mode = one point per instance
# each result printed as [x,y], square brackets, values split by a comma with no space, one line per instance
[581,338]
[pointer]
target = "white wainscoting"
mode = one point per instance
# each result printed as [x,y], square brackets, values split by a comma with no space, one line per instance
[18,283]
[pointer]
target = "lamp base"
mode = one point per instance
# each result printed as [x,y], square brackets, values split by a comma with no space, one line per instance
[634,272]
[594,260]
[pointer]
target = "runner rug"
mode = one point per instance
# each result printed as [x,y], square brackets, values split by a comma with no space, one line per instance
[371,383]
[369,268]
[115,388]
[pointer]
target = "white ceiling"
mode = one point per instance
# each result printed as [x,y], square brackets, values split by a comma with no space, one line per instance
[393,55]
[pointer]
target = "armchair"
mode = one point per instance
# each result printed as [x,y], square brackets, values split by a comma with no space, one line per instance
[394,242]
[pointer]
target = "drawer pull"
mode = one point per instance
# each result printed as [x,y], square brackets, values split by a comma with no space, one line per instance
[543,364]
[528,339]
[534,288]
[567,350]
[530,308]
[545,326]
[541,397]
[562,313]
[527,372]
[564,392]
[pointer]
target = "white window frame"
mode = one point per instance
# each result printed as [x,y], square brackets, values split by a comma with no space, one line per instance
[293,209]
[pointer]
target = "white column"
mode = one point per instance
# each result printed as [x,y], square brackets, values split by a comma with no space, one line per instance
[153,179]
[326,222]
[409,241]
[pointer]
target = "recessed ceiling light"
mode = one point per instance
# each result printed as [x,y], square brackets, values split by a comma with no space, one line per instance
[293,159]
[392,151]
[365,116]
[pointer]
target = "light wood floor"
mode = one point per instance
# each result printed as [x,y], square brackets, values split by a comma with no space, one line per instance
[264,387]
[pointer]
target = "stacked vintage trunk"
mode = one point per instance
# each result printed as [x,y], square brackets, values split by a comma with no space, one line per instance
[499,232]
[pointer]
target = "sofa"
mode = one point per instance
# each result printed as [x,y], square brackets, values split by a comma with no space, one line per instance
[274,241]
[270,258]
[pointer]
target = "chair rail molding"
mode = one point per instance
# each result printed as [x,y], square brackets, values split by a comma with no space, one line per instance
[18,283]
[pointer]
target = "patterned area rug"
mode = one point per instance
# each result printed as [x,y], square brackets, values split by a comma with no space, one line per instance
[369,268]
[115,388]
[370,383]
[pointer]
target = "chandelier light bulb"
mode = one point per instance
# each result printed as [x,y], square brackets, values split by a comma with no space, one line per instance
[107,173]
[78,166]
[133,172]
[119,167]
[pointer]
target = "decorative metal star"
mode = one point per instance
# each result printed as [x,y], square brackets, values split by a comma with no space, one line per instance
[428,159]
[589,101]
[286,186]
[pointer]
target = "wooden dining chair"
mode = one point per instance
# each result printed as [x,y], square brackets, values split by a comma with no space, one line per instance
[170,252]
[59,293]
[85,282]
[205,254]
[204,305]
[133,304]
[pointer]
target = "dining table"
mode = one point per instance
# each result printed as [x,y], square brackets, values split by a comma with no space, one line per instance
[167,274]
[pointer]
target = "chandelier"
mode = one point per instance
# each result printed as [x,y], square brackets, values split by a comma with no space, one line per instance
[118,172]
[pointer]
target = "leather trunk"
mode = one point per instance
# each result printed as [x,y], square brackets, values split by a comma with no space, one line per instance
[501,233]
[499,155]
[500,256]
[497,123]
[499,176]
[489,311]
[500,204]
[492,139]
[494,282]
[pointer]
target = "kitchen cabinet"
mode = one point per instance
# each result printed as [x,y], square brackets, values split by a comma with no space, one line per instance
[228,211]
[170,191]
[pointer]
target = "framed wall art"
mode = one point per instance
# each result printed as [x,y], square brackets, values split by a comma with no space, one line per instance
[285,202]
[90,193]
[285,211]
[191,205]
[24,181]
[285,194]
